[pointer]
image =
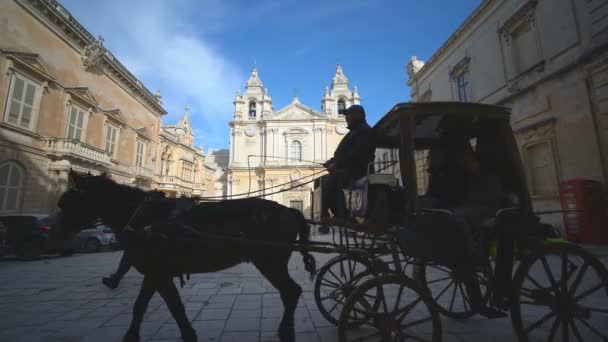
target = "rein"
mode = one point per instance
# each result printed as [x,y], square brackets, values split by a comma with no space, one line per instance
[220,198]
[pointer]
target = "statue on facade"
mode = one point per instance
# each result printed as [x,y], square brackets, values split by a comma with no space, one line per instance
[413,66]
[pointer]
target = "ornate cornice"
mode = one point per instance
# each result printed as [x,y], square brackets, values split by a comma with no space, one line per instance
[460,31]
[92,50]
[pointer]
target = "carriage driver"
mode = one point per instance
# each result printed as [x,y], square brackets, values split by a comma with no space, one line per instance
[350,162]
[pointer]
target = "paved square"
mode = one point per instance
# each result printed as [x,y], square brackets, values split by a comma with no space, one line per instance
[62,299]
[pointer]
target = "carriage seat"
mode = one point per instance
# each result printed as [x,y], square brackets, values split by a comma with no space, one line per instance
[357,194]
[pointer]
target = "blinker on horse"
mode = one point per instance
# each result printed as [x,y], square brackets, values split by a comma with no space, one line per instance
[173,243]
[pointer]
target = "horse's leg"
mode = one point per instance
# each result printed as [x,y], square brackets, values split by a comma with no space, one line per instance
[139,309]
[171,296]
[275,270]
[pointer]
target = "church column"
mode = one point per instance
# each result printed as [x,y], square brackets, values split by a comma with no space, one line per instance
[286,146]
[262,159]
[322,131]
[235,135]
[231,146]
[273,132]
[314,143]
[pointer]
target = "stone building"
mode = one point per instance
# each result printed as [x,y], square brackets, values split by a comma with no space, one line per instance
[217,159]
[66,103]
[548,61]
[274,150]
[181,166]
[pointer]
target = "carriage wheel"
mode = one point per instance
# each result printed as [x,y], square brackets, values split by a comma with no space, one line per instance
[560,291]
[336,281]
[447,289]
[405,312]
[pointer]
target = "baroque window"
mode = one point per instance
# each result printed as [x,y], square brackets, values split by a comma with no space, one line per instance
[297,205]
[252,109]
[76,123]
[341,106]
[140,153]
[462,80]
[296,151]
[23,97]
[111,138]
[540,165]
[521,40]
[11,186]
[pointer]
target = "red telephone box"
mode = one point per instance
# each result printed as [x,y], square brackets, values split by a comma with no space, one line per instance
[587,224]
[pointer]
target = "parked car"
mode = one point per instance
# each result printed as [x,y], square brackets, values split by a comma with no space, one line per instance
[30,235]
[93,239]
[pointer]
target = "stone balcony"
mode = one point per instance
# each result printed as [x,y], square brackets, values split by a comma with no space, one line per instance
[197,189]
[142,172]
[67,148]
[169,182]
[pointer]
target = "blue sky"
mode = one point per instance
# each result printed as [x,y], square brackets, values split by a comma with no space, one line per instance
[201,51]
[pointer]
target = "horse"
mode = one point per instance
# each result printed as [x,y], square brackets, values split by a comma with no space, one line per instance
[165,238]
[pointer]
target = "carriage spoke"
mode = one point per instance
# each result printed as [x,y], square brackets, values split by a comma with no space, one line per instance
[334,306]
[335,276]
[565,333]
[464,298]
[404,311]
[589,291]
[383,299]
[333,295]
[539,322]
[453,296]
[444,290]
[526,293]
[553,329]
[417,322]
[329,283]
[597,310]
[398,298]
[549,273]
[593,329]
[575,331]
[534,281]
[577,280]
[351,268]
[438,280]
[565,275]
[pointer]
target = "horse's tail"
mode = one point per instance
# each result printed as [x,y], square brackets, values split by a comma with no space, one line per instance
[310,264]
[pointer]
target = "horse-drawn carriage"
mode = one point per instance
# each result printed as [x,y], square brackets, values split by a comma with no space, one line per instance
[396,264]
[552,289]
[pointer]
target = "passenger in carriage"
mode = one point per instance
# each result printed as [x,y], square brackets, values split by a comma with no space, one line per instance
[349,163]
[457,183]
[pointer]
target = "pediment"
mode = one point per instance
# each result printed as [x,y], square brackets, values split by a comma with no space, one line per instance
[31,61]
[296,112]
[144,132]
[116,115]
[83,94]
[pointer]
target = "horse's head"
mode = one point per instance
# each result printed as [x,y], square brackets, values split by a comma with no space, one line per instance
[79,205]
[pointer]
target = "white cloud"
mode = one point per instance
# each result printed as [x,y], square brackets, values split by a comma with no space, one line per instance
[156,42]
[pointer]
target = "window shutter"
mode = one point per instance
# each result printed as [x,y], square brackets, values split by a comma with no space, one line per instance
[16,99]
[28,105]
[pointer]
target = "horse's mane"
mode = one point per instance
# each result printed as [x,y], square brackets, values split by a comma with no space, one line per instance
[119,192]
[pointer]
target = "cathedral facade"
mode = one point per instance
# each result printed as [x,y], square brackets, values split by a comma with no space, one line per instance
[271,152]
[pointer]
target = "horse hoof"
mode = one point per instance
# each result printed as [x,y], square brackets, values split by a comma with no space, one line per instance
[190,336]
[287,335]
[131,337]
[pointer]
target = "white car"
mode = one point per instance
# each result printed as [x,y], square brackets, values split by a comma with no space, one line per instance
[95,238]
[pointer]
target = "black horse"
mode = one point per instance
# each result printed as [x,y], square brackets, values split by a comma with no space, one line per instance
[170,237]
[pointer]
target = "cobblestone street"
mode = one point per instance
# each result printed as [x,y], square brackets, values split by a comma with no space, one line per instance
[62,299]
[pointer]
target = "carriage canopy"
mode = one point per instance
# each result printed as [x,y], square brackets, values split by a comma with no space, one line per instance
[419,126]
